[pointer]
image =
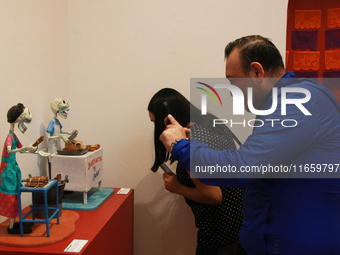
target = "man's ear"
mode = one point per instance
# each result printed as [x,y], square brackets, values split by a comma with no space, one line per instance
[256,70]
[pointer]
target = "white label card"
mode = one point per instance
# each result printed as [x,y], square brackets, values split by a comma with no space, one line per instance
[76,245]
[123,191]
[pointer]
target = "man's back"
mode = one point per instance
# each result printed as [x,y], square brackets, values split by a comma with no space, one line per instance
[303,213]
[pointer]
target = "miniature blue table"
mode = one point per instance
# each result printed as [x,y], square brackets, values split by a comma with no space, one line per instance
[47,219]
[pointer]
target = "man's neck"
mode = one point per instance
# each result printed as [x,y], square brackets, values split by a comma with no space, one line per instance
[278,74]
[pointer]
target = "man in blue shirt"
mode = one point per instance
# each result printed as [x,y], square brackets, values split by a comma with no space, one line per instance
[281,215]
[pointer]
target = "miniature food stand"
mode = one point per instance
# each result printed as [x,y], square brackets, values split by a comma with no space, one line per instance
[84,171]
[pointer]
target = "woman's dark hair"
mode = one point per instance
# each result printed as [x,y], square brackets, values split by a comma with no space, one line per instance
[256,48]
[181,110]
[14,112]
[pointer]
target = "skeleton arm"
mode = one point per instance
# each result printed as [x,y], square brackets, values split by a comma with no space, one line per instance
[29,149]
[10,151]
[73,134]
[54,136]
[68,133]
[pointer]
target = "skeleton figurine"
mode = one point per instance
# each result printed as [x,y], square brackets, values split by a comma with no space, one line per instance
[54,129]
[10,171]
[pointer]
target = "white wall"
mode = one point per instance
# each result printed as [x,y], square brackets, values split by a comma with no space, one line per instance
[107,58]
[121,53]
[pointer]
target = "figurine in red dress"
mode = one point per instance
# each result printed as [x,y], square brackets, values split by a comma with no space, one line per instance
[10,180]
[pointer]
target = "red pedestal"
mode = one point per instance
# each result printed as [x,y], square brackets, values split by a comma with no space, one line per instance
[109,230]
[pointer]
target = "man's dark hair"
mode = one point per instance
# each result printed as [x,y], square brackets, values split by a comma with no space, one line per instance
[256,48]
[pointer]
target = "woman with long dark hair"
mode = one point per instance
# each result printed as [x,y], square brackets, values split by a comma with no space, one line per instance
[217,210]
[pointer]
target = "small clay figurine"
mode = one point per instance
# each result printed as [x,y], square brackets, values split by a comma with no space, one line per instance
[9,169]
[59,107]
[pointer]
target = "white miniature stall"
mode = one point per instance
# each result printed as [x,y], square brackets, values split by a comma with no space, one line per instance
[84,171]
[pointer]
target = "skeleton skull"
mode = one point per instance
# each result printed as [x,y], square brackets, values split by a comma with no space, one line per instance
[59,106]
[25,117]
[19,114]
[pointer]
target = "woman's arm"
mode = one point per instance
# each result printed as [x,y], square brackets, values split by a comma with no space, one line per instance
[204,194]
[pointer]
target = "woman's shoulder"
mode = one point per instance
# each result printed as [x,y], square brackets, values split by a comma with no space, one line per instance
[215,140]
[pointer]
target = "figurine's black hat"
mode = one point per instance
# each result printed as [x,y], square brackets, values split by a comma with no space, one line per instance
[14,112]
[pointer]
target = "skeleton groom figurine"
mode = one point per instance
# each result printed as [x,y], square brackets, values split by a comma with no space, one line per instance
[10,171]
[54,129]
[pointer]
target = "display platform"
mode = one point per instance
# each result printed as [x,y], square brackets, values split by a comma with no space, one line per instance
[109,230]
[38,237]
[74,200]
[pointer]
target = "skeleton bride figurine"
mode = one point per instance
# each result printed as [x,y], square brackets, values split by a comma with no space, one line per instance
[10,180]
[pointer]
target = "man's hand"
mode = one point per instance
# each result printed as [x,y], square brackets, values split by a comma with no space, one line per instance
[173,131]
